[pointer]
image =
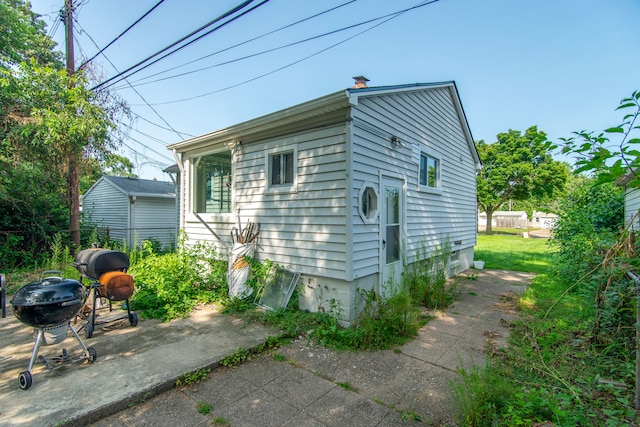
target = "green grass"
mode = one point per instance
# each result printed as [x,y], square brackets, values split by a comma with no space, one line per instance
[505,252]
[550,370]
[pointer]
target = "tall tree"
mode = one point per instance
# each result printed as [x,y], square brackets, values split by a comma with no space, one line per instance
[44,113]
[516,167]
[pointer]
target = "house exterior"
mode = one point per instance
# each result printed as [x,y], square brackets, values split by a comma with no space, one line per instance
[632,206]
[631,199]
[132,209]
[349,189]
[545,220]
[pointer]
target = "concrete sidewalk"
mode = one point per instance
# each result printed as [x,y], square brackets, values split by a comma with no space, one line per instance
[132,380]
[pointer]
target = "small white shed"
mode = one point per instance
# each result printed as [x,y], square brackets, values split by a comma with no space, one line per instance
[132,209]
[545,220]
[505,219]
[349,188]
[631,199]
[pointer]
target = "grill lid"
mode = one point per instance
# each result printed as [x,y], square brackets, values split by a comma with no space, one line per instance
[95,262]
[51,290]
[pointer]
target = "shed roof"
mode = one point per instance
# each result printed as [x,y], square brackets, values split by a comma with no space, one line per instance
[137,186]
[324,104]
[515,214]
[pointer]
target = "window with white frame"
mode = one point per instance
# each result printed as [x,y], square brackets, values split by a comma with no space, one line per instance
[429,171]
[368,206]
[212,183]
[281,169]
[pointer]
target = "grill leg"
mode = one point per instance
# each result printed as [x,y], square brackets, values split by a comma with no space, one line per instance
[75,334]
[36,348]
[95,297]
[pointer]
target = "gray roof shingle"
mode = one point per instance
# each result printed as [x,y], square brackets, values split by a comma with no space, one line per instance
[142,186]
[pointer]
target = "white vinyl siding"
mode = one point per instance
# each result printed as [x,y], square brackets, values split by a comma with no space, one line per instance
[344,146]
[155,218]
[107,206]
[425,122]
[305,229]
[632,206]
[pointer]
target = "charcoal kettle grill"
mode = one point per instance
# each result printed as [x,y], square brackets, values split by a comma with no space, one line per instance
[48,305]
[107,269]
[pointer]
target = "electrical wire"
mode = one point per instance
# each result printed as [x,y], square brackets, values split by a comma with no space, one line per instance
[389,18]
[191,41]
[157,125]
[136,22]
[145,156]
[134,89]
[56,24]
[245,42]
[264,52]
[165,156]
[226,14]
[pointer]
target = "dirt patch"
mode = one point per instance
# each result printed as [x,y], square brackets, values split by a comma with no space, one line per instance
[507,303]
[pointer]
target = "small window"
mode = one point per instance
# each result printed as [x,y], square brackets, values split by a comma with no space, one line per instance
[368,203]
[212,183]
[429,171]
[281,168]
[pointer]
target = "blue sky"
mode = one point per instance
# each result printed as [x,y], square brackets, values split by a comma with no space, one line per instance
[562,65]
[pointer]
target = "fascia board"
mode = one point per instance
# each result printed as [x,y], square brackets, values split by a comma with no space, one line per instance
[279,118]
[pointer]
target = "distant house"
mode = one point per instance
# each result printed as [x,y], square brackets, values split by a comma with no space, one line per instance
[543,220]
[349,189]
[631,200]
[505,219]
[132,210]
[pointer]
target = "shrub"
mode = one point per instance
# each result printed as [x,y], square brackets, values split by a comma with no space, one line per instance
[589,220]
[169,286]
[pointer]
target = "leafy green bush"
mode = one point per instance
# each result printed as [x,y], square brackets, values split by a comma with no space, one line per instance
[169,286]
[590,219]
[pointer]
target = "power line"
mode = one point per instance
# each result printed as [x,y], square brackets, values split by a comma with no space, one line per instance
[264,52]
[145,146]
[226,14]
[389,18]
[134,89]
[136,22]
[192,41]
[165,156]
[246,41]
[56,24]
[157,125]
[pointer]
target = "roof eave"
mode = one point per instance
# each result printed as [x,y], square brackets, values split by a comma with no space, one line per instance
[153,195]
[296,113]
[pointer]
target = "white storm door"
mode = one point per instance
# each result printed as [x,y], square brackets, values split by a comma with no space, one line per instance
[392,226]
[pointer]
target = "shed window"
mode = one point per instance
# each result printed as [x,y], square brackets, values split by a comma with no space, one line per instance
[212,189]
[281,168]
[429,171]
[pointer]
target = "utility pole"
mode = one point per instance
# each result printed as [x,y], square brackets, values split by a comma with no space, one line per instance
[73,182]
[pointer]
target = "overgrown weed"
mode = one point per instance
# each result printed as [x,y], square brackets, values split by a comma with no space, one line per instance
[556,363]
[426,280]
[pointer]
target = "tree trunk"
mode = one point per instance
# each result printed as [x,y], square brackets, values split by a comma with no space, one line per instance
[74,200]
[489,228]
[72,180]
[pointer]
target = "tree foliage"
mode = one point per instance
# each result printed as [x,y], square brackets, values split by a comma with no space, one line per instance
[590,218]
[45,114]
[517,167]
[614,153]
